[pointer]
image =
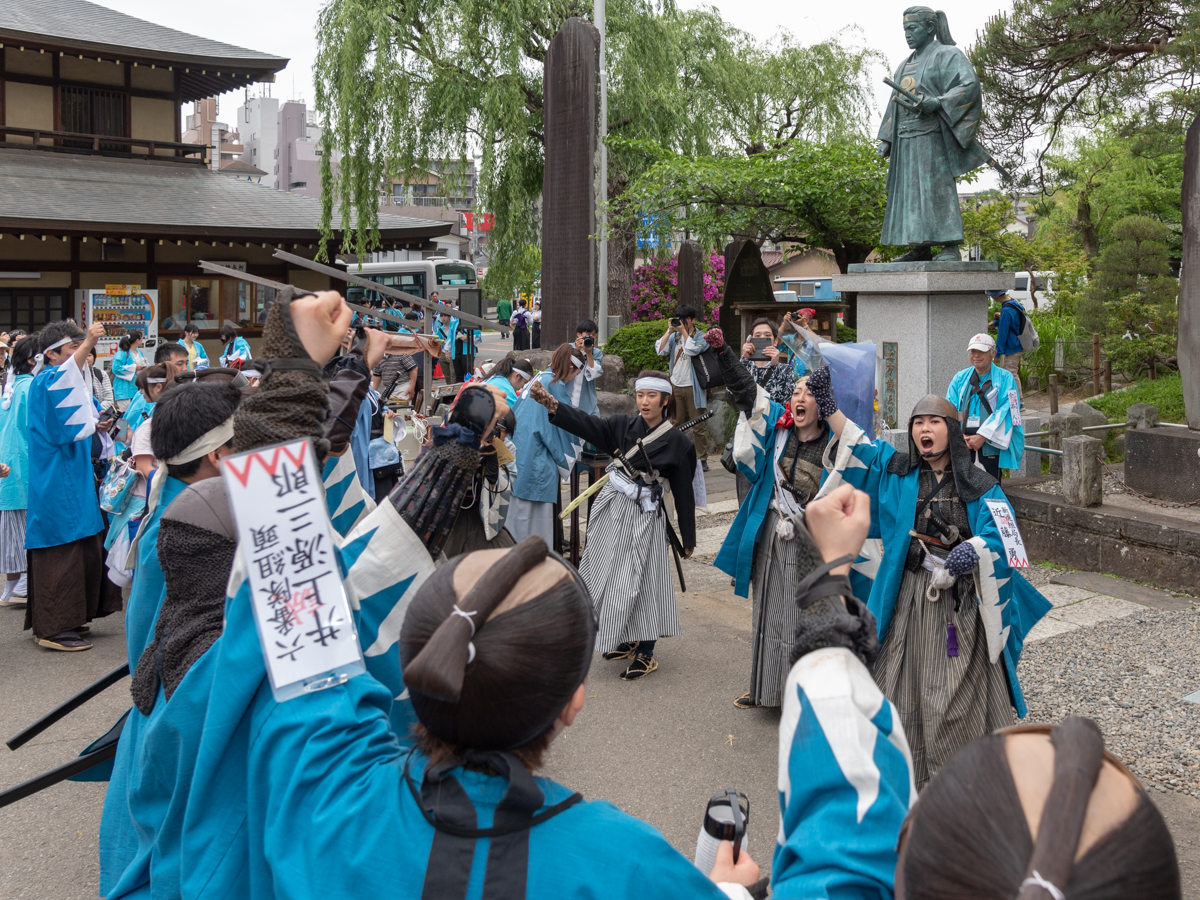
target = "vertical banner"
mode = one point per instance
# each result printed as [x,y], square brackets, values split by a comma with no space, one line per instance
[286,541]
[1006,524]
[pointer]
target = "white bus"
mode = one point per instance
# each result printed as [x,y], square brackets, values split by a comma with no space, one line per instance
[423,277]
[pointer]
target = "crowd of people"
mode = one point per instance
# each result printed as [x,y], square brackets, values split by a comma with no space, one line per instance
[887,623]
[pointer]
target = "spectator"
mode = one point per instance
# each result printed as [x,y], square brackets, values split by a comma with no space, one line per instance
[1008,335]
[520,327]
[197,356]
[126,363]
[236,352]
[99,383]
[14,450]
[395,376]
[173,356]
[771,374]
[503,314]
[679,343]
[67,582]
[584,387]
[536,324]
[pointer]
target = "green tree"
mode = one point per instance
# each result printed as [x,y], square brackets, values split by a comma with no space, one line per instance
[808,194]
[403,81]
[1051,64]
[988,225]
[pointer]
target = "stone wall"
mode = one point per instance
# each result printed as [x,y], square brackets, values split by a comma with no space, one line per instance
[1156,549]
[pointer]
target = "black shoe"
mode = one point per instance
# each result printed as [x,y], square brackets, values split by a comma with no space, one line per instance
[640,667]
[704,465]
[622,651]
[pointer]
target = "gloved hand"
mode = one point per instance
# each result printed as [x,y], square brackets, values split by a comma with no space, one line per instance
[961,560]
[539,393]
[820,385]
[715,338]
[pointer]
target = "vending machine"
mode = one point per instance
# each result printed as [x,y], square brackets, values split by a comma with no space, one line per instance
[120,308]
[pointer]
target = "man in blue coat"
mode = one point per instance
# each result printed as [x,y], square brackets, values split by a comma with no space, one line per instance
[1008,334]
[989,408]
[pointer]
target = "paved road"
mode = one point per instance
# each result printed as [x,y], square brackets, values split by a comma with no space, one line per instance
[658,747]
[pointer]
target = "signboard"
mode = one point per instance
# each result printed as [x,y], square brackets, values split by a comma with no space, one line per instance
[652,239]
[891,383]
[1014,545]
[286,542]
[119,308]
[478,221]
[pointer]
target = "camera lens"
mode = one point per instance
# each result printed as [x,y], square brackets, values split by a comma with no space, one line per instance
[588,341]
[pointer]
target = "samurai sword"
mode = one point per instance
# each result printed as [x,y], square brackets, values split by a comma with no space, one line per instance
[603,480]
[913,102]
[61,773]
[67,708]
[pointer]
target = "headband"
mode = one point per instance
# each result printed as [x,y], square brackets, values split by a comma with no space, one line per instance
[156,381]
[653,384]
[41,357]
[524,374]
[577,362]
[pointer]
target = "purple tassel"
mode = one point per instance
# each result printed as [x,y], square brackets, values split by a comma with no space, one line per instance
[951,640]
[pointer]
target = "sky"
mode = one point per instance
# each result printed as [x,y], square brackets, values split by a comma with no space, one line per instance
[287,28]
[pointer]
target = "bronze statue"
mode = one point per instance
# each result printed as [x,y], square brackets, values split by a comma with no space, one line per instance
[929,131]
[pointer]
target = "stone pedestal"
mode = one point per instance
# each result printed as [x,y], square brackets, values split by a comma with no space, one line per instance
[1163,463]
[921,316]
[1064,425]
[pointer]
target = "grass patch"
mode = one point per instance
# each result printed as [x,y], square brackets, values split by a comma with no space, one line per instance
[1166,393]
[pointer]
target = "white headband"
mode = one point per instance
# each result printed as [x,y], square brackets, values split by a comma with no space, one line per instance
[524,374]
[577,361]
[156,381]
[653,384]
[204,445]
[40,359]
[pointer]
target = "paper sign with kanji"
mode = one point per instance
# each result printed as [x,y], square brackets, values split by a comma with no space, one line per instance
[286,541]
[1006,524]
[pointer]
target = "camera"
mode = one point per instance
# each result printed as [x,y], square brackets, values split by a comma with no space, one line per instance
[675,323]
[589,341]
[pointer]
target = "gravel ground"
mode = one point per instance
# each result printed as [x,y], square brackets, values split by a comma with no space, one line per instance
[1130,676]
[1039,576]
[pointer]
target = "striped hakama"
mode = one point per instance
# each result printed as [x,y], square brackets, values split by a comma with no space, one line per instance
[627,568]
[777,567]
[12,540]
[945,702]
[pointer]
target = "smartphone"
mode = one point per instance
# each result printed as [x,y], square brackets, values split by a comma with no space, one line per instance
[760,344]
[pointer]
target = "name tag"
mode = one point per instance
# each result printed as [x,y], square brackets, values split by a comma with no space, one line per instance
[972,421]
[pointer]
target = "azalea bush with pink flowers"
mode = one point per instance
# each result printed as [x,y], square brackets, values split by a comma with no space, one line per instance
[656,288]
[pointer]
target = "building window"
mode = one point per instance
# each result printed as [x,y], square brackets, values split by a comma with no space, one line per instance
[91,111]
[807,289]
[31,308]
[210,302]
[297,184]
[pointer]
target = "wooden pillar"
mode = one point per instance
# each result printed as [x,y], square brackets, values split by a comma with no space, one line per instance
[570,255]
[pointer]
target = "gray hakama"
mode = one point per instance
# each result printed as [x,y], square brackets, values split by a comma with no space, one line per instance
[627,567]
[944,702]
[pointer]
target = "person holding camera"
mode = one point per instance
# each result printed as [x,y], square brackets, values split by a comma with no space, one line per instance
[679,344]
[585,382]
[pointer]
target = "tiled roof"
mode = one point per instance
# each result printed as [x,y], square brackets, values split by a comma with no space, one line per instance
[79,23]
[52,191]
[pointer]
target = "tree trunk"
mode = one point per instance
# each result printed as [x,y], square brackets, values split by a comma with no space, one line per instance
[622,250]
[1088,233]
[1189,281]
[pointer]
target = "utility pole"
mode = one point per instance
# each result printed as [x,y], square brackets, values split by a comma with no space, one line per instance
[602,191]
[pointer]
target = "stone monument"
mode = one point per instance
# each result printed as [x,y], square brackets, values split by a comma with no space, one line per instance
[1189,279]
[746,281]
[570,257]
[921,311]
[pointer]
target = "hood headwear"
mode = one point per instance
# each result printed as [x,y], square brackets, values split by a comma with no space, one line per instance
[971,481]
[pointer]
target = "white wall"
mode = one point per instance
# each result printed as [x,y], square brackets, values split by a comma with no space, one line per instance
[258,125]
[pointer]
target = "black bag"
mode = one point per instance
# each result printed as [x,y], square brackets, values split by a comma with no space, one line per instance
[706,370]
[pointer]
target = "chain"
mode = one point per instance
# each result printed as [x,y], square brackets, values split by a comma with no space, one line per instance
[1127,489]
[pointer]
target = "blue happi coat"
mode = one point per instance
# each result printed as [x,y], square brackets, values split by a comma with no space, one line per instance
[1002,430]
[62,419]
[757,444]
[545,453]
[187,798]
[1009,605]
[331,818]
[845,783]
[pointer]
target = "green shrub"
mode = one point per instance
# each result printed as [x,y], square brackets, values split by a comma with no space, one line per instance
[846,334]
[1166,393]
[634,343]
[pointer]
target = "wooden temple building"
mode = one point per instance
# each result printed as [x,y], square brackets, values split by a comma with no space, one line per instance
[96,188]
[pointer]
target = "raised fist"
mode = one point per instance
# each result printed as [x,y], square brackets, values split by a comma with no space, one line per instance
[820,385]
[715,338]
[961,560]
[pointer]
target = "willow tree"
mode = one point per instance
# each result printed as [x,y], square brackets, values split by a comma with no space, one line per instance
[402,82]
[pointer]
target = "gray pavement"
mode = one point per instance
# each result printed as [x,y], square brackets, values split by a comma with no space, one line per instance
[658,748]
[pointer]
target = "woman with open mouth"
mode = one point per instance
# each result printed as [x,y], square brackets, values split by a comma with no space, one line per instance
[783,450]
[952,614]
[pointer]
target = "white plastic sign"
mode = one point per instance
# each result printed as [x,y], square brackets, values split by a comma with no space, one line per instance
[1006,524]
[284,535]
